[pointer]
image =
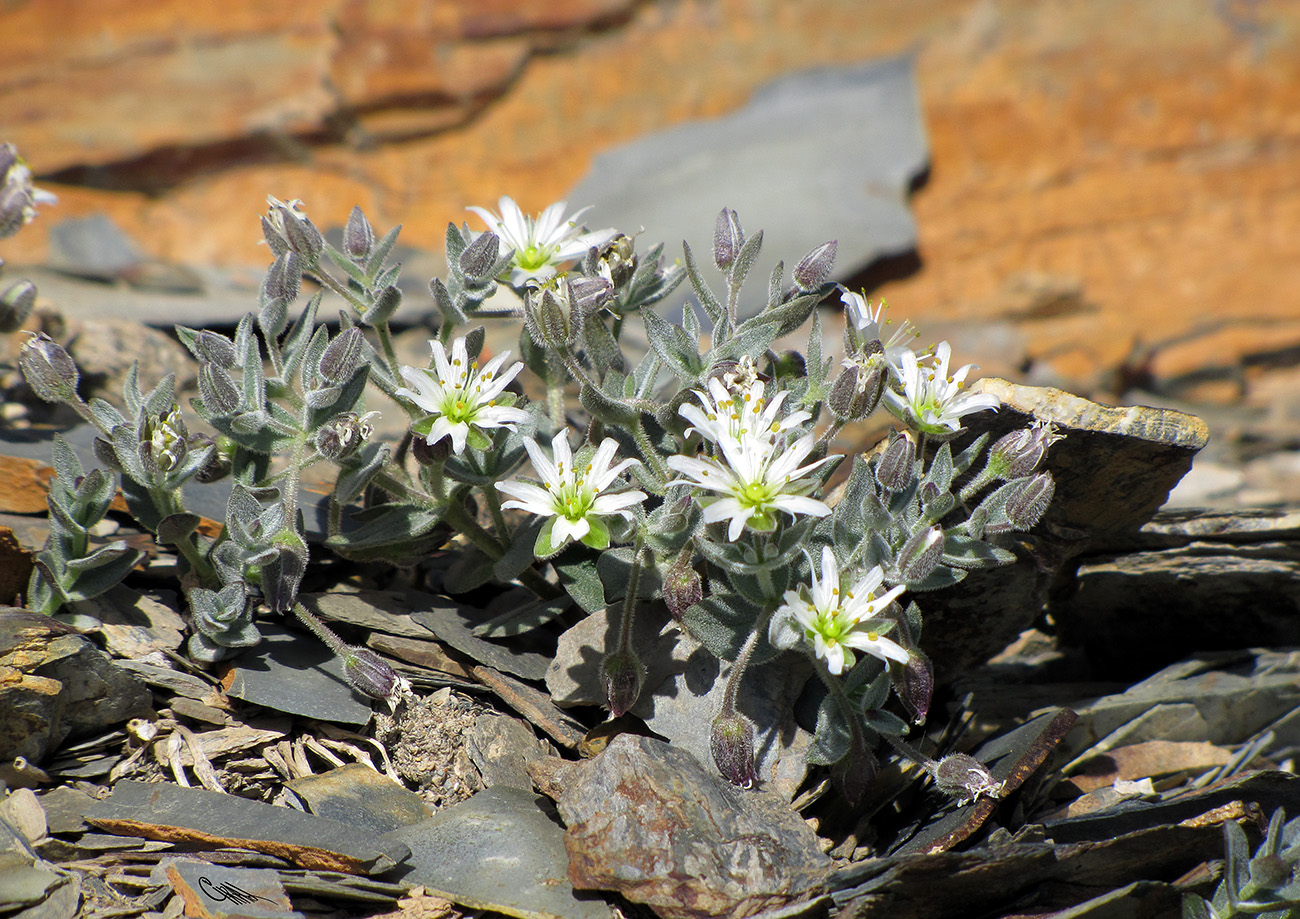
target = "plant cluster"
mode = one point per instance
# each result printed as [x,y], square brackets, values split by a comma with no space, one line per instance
[695,474]
[1263,884]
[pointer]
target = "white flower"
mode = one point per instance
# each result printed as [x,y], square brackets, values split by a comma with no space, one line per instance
[930,400]
[836,621]
[571,497]
[461,397]
[868,322]
[738,411]
[758,478]
[543,244]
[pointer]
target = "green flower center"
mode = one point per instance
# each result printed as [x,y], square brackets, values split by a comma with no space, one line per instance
[755,495]
[533,257]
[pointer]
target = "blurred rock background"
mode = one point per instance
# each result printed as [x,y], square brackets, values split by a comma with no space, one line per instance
[1112,203]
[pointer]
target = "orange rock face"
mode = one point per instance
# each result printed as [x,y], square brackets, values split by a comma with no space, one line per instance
[1138,153]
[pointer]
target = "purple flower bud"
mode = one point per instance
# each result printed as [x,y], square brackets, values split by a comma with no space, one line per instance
[479,256]
[358,236]
[372,675]
[732,742]
[283,279]
[920,555]
[728,237]
[854,774]
[896,470]
[343,356]
[344,433]
[49,370]
[1029,502]
[683,586]
[857,390]
[218,391]
[815,267]
[914,684]
[16,305]
[1018,454]
[282,575]
[965,778]
[621,679]
[430,454]
[216,348]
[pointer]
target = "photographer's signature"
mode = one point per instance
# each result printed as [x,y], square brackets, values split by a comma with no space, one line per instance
[228,891]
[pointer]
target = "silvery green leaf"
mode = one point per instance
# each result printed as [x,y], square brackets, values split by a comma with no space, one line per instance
[101,570]
[95,494]
[940,472]
[964,460]
[520,554]
[454,242]
[939,506]
[398,534]
[176,528]
[272,318]
[293,347]
[362,465]
[832,740]
[323,398]
[106,416]
[471,569]
[127,447]
[194,460]
[937,579]
[253,389]
[382,248]
[243,333]
[884,721]
[615,567]
[713,308]
[320,340]
[721,622]
[66,465]
[752,342]
[678,350]
[131,389]
[386,304]
[745,260]
[353,270]
[451,313]
[971,554]
[602,351]
[580,579]
[774,284]
[386,278]
[612,411]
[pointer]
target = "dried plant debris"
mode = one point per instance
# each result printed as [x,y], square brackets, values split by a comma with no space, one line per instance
[427,742]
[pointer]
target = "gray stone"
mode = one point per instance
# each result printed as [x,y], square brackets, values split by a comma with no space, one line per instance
[92,247]
[574,675]
[817,156]
[645,818]
[105,348]
[454,625]
[499,851]
[226,893]
[297,674]
[501,747]
[359,796]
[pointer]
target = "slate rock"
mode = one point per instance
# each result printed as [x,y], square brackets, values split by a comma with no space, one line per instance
[847,186]
[501,748]
[574,675]
[169,812]
[359,796]
[648,820]
[498,851]
[57,684]
[106,348]
[221,892]
[298,674]
[1113,470]
[92,247]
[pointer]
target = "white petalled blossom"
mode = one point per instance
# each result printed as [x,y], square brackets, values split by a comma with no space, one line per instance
[835,620]
[575,499]
[738,411]
[461,397]
[929,399]
[540,245]
[758,474]
[868,325]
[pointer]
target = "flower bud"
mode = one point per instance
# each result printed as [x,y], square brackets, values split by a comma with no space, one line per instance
[854,774]
[618,260]
[286,224]
[431,454]
[815,267]
[857,390]
[621,677]
[683,586]
[1018,454]
[16,305]
[216,467]
[283,279]
[358,236]
[553,315]
[343,356]
[896,470]
[218,391]
[728,237]
[914,684]
[215,348]
[731,741]
[920,555]
[18,197]
[480,256]
[282,575]
[373,676]
[163,441]
[49,370]
[965,778]
[1029,501]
